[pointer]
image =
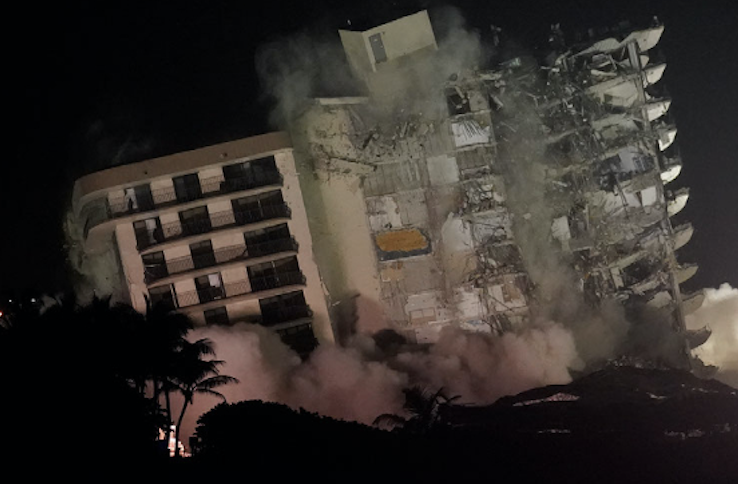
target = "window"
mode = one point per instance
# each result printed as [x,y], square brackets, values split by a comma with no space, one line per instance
[202,254]
[138,198]
[217,316]
[163,295]
[270,275]
[195,221]
[251,174]
[148,232]
[377,48]
[259,207]
[209,288]
[269,240]
[285,307]
[155,267]
[187,187]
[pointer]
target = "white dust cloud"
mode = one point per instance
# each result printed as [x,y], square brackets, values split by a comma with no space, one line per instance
[719,313]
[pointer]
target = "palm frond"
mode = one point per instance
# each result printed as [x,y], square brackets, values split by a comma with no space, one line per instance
[216,381]
[207,391]
[390,420]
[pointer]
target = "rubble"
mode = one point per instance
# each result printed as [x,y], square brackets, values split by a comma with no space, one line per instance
[575,152]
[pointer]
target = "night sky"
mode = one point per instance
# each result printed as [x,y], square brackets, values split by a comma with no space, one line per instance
[97,85]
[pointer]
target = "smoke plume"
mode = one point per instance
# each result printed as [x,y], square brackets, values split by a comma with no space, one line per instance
[362,381]
[719,313]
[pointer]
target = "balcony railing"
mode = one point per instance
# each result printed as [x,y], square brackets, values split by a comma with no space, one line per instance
[270,317]
[273,281]
[220,256]
[216,221]
[208,187]
[237,288]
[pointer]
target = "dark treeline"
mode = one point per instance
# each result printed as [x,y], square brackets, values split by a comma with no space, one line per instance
[90,382]
[86,387]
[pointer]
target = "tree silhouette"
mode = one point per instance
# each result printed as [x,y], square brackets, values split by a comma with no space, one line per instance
[424,409]
[193,375]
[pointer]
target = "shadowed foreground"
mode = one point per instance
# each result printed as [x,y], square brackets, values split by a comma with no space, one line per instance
[616,425]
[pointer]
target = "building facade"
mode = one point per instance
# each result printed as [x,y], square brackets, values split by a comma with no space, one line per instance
[218,233]
[466,201]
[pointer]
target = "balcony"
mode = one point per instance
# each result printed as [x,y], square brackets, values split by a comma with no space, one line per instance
[219,256]
[207,187]
[271,317]
[237,288]
[273,281]
[215,221]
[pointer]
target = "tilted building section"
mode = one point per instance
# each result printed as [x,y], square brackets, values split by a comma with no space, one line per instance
[441,196]
[443,211]
[218,233]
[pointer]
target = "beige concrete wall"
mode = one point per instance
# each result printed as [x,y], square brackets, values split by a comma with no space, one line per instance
[162,190]
[298,225]
[185,286]
[244,310]
[208,176]
[217,209]
[171,218]
[404,35]
[133,269]
[179,163]
[358,52]
[227,240]
[234,274]
[176,252]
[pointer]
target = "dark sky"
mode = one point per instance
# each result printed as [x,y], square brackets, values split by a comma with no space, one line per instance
[93,84]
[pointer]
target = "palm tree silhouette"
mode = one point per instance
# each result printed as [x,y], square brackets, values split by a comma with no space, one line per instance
[424,409]
[193,375]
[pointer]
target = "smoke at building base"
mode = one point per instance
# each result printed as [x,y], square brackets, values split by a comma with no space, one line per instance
[365,379]
[719,314]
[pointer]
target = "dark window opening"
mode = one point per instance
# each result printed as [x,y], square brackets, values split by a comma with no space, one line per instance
[377,48]
[187,187]
[251,174]
[217,316]
[155,266]
[202,254]
[209,288]
[195,221]
[259,207]
[138,199]
[163,295]
[270,275]
[458,103]
[300,338]
[285,307]
[148,232]
[269,240]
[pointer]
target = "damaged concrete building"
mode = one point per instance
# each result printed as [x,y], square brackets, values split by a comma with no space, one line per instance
[443,193]
[440,205]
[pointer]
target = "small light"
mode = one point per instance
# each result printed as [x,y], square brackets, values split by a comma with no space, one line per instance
[33,299]
[1,314]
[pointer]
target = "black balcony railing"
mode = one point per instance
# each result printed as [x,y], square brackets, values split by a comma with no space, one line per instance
[216,221]
[155,272]
[201,296]
[220,256]
[273,281]
[208,187]
[300,338]
[272,316]
[237,288]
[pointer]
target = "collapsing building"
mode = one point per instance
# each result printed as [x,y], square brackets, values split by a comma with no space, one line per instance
[448,196]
